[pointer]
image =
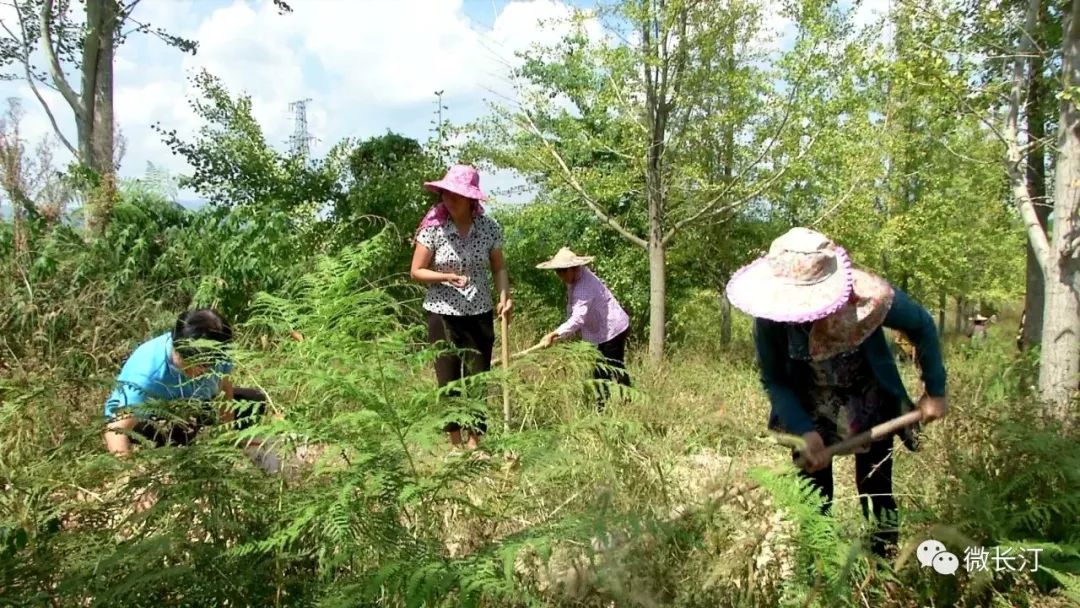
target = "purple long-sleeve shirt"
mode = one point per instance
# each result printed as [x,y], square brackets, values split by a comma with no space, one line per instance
[593,310]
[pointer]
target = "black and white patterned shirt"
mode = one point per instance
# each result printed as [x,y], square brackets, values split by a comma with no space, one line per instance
[469,256]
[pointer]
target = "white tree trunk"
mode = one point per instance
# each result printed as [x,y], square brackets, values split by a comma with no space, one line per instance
[1059,364]
[1035,292]
[1059,373]
[657,300]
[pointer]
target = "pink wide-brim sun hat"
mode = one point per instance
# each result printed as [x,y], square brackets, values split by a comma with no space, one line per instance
[804,277]
[460,179]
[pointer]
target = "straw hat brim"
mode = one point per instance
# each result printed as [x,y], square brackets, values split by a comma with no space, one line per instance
[756,291]
[576,261]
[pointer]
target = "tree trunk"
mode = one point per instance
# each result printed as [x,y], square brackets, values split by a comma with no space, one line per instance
[958,325]
[657,301]
[1059,364]
[1034,300]
[18,233]
[656,115]
[97,134]
[942,303]
[728,175]
[657,255]
[725,320]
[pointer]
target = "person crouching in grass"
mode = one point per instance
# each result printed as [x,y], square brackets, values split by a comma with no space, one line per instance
[190,362]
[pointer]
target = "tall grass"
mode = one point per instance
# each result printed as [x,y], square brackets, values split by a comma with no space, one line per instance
[674,496]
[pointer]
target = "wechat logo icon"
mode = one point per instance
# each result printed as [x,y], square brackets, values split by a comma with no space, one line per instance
[932,554]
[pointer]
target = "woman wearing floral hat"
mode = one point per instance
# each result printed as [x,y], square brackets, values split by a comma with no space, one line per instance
[458,249]
[594,313]
[826,365]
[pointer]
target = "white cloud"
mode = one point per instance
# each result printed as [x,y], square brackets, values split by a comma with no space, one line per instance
[253,50]
[368,66]
[870,12]
[400,53]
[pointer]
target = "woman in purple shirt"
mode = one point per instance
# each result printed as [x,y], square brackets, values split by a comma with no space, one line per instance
[595,314]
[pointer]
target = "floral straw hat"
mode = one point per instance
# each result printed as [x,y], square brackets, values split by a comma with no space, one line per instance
[460,179]
[565,259]
[806,278]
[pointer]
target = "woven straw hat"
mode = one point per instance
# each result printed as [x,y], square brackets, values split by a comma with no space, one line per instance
[805,278]
[565,259]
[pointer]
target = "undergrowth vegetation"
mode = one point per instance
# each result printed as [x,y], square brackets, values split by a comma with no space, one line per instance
[673,496]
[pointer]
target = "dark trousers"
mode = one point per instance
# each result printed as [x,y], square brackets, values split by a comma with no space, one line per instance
[162,432]
[873,480]
[474,334]
[612,367]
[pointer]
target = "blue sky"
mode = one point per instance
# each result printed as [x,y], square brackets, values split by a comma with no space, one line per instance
[368,66]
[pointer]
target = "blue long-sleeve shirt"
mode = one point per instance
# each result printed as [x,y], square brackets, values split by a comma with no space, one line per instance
[787,380]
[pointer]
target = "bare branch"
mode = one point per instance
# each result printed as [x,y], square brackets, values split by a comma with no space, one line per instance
[622,102]
[1016,163]
[839,203]
[127,10]
[857,182]
[681,60]
[55,69]
[647,66]
[52,118]
[573,183]
[663,51]
[710,208]
[185,45]
[32,81]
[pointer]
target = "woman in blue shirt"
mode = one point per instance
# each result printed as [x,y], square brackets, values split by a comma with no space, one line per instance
[188,363]
[826,365]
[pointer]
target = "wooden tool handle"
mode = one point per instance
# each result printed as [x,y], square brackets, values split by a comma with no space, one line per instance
[506,362]
[879,431]
[531,349]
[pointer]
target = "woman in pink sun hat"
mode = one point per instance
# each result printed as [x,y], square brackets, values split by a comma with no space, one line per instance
[825,363]
[457,253]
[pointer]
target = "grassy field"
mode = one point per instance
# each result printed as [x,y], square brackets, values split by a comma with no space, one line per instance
[674,496]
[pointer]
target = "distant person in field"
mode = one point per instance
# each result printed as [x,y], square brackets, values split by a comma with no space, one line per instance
[905,347]
[595,314]
[979,326]
[825,363]
[190,362]
[457,254]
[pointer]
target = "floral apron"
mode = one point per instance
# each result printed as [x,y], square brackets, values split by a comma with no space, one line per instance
[844,397]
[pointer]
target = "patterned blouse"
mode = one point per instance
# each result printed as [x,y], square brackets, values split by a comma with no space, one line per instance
[469,256]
